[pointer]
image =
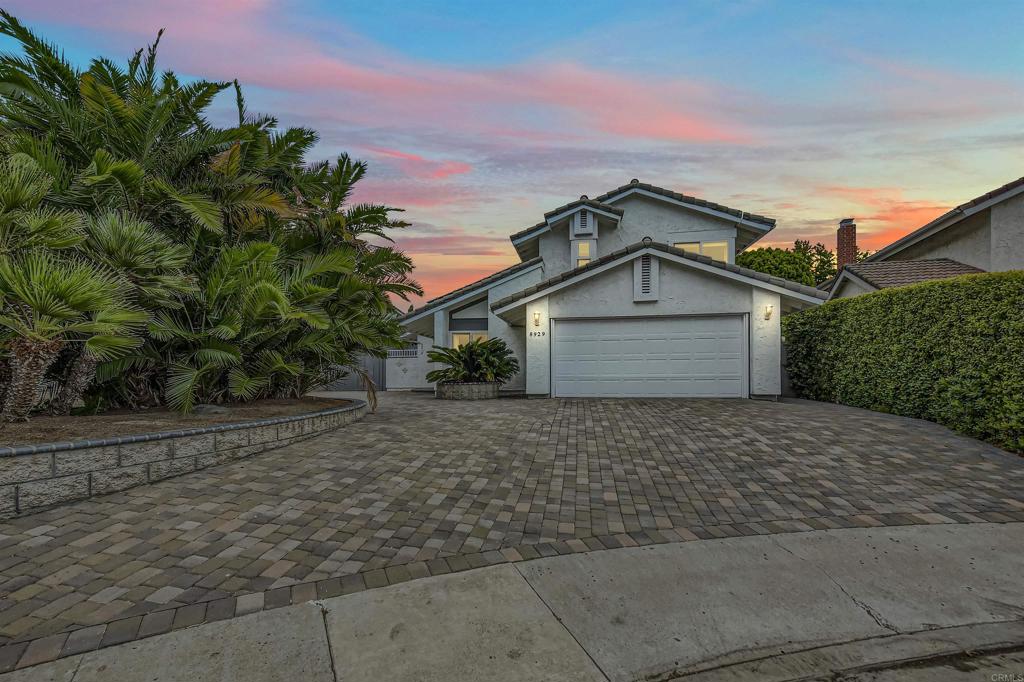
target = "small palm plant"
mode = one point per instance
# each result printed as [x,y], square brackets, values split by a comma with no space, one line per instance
[476,361]
[46,302]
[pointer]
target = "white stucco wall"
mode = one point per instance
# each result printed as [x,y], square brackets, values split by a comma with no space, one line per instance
[475,310]
[969,242]
[642,217]
[1007,234]
[662,222]
[538,349]
[515,337]
[682,291]
[765,343]
[849,288]
[409,373]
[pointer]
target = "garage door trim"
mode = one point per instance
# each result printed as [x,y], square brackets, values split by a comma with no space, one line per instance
[744,342]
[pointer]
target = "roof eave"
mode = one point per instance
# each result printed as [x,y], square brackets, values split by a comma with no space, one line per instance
[944,221]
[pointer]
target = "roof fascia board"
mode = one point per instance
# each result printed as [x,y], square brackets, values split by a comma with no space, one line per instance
[782,291]
[530,235]
[763,229]
[471,293]
[847,275]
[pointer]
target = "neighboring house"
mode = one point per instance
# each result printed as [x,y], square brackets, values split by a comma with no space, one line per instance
[632,293]
[986,234]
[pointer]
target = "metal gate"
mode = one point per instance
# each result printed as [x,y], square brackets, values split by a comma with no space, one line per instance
[375,367]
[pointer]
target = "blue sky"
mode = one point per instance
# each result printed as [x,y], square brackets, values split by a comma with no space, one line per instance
[476,117]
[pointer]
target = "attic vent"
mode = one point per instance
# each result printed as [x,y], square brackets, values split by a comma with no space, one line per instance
[645,278]
[645,275]
[581,224]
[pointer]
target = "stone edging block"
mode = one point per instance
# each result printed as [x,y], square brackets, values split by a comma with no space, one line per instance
[36,477]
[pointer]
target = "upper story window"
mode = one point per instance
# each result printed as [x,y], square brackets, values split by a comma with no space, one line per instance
[714,250]
[583,251]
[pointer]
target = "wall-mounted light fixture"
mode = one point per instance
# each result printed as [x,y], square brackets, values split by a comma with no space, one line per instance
[768,311]
[536,318]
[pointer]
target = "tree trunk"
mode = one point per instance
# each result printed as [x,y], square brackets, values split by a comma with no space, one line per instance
[79,376]
[29,360]
[5,379]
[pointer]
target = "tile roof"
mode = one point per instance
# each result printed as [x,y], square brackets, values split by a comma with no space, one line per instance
[686,199]
[885,250]
[583,201]
[598,202]
[440,300]
[665,248]
[900,273]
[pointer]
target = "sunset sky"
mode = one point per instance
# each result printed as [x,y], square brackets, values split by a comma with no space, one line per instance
[476,117]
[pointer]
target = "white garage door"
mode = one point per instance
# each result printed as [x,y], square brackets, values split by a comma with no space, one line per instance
[649,357]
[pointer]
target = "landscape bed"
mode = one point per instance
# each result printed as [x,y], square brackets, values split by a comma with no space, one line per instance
[35,477]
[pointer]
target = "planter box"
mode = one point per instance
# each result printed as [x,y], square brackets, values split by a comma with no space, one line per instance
[485,390]
[34,477]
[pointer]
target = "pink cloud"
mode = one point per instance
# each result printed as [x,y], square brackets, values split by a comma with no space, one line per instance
[882,214]
[416,166]
[246,39]
[454,242]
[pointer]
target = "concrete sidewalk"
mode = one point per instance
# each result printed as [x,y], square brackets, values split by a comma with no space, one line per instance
[863,604]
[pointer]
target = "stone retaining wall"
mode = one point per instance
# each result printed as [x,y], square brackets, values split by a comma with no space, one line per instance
[484,390]
[34,477]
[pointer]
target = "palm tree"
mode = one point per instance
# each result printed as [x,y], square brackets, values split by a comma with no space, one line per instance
[49,301]
[259,279]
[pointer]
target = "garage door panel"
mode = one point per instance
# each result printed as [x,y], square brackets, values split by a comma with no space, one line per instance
[658,357]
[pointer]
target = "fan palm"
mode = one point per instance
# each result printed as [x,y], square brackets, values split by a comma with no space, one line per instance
[48,301]
[490,360]
[258,276]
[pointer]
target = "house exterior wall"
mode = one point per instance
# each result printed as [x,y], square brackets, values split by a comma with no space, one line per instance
[642,217]
[514,337]
[476,310]
[969,242]
[682,291]
[1007,234]
[407,373]
[849,288]
[765,343]
[662,222]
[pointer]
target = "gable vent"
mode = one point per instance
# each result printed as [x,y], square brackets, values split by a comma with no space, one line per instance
[645,278]
[583,220]
[645,275]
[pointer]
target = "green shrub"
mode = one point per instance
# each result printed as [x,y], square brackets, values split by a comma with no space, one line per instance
[476,361]
[950,351]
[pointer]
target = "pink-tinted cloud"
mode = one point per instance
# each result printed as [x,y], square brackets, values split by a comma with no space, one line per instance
[416,166]
[405,193]
[882,214]
[221,39]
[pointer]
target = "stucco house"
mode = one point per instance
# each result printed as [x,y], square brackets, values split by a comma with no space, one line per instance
[633,293]
[985,234]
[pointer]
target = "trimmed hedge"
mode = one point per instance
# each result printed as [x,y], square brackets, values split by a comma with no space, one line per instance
[950,351]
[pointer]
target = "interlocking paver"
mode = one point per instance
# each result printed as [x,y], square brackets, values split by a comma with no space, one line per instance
[426,487]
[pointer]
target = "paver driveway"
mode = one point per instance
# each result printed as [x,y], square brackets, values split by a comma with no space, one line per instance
[427,487]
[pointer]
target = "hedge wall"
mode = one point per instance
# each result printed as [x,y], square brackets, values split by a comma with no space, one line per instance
[950,351]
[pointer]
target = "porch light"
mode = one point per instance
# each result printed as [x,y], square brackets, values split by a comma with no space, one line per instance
[768,312]
[536,318]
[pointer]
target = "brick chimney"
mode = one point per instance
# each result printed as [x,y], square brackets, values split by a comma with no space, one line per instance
[846,243]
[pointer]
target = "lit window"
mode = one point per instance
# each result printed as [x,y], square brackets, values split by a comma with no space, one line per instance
[716,250]
[462,338]
[582,253]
